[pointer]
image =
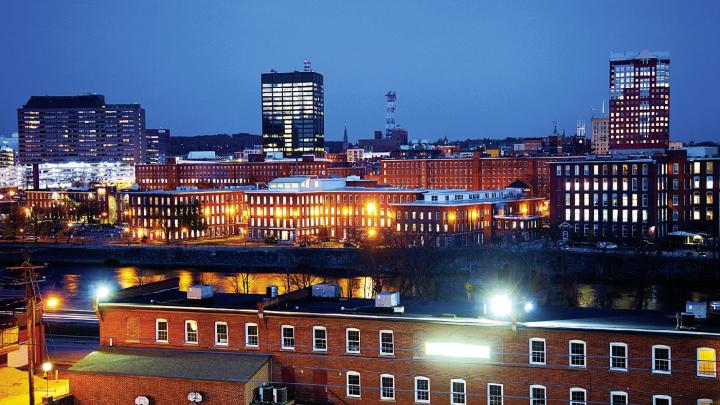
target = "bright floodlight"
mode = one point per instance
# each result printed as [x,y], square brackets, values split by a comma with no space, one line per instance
[500,305]
[52,302]
[102,292]
[529,306]
[47,366]
[457,350]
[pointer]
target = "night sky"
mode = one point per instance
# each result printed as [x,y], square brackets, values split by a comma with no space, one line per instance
[461,69]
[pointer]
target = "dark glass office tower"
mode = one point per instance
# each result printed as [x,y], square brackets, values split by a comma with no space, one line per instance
[293,113]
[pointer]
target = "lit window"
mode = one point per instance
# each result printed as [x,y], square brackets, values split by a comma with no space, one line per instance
[387,345]
[577,353]
[495,394]
[422,390]
[661,359]
[537,351]
[618,398]
[706,366]
[537,395]
[191,332]
[288,337]
[161,330]
[618,356]
[387,386]
[457,392]
[221,333]
[578,396]
[319,339]
[353,384]
[352,337]
[251,335]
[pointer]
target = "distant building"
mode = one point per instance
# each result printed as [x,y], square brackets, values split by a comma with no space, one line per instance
[62,129]
[157,144]
[600,141]
[293,113]
[639,100]
[355,154]
[7,157]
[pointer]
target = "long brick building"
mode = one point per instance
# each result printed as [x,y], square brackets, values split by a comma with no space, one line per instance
[325,348]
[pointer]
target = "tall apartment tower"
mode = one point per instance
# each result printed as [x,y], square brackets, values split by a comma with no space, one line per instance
[293,112]
[61,129]
[157,145]
[600,132]
[639,100]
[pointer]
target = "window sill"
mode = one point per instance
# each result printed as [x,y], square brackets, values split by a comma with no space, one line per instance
[191,343]
[707,376]
[353,353]
[319,350]
[221,345]
[388,355]
[661,372]
[287,349]
[164,342]
[619,370]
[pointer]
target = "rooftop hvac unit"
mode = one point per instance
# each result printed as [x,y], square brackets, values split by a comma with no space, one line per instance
[697,308]
[326,290]
[387,299]
[280,395]
[199,292]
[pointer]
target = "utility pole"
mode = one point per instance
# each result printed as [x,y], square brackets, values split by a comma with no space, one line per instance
[28,276]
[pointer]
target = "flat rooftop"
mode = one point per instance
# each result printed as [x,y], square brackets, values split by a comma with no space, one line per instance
[454,312]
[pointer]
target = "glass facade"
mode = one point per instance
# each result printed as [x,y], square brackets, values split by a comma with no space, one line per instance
[293,115]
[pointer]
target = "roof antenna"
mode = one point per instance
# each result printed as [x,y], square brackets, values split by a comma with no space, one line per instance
[603,107]
[307,65]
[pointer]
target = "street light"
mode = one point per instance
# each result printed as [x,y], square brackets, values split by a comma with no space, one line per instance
[52,302]
[500,305]
[102,292]
[47,367]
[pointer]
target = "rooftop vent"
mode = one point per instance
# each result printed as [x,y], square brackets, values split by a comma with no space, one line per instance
[326,290]
[387,299]
[199,292]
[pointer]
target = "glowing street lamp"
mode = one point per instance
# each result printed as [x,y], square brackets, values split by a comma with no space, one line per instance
[372,232]
[500,305]
[47,367]
[102,292]
[52,302]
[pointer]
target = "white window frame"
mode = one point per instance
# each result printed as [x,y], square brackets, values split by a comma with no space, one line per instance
[570,354]
[347,384]
[618,393]
[187,333]
[704,401]
[502,393]
[533,399]
[578,389]
[656,397]
[157,330]
[247,335]
[618,344]
[714,372]
[452,393]
[380,342]
[347,340]
[417,391]
[283,346]
[669,359]
[227,334]
[530,351]
[315,339]
[382,394]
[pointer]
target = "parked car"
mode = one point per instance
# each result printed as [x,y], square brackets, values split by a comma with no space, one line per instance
[349,245]
[606,245]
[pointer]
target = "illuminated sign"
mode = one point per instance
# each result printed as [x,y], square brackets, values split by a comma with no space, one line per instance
[461,350]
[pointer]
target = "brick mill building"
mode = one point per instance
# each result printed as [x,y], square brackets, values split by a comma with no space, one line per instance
[161,343]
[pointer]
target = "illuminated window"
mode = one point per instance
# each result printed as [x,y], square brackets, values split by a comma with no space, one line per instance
[353,384]
[288,337]
[457,392]
[161,330]
[422,390]
[706,365]
[221,333]
[191,332]
[537,351]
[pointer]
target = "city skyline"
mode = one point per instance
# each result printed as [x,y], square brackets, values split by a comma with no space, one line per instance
[173,60]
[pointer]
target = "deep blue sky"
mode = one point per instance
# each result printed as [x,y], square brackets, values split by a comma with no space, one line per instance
[460,68]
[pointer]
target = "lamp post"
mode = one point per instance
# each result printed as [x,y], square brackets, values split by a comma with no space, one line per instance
[47,367]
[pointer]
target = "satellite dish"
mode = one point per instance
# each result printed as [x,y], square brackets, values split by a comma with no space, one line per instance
[195,397]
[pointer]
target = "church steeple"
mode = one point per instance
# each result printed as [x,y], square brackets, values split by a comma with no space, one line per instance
[345,138]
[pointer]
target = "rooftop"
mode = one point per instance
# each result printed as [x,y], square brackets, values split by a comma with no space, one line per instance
[84,101]
[303,304]
[195,365]
[632,55]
